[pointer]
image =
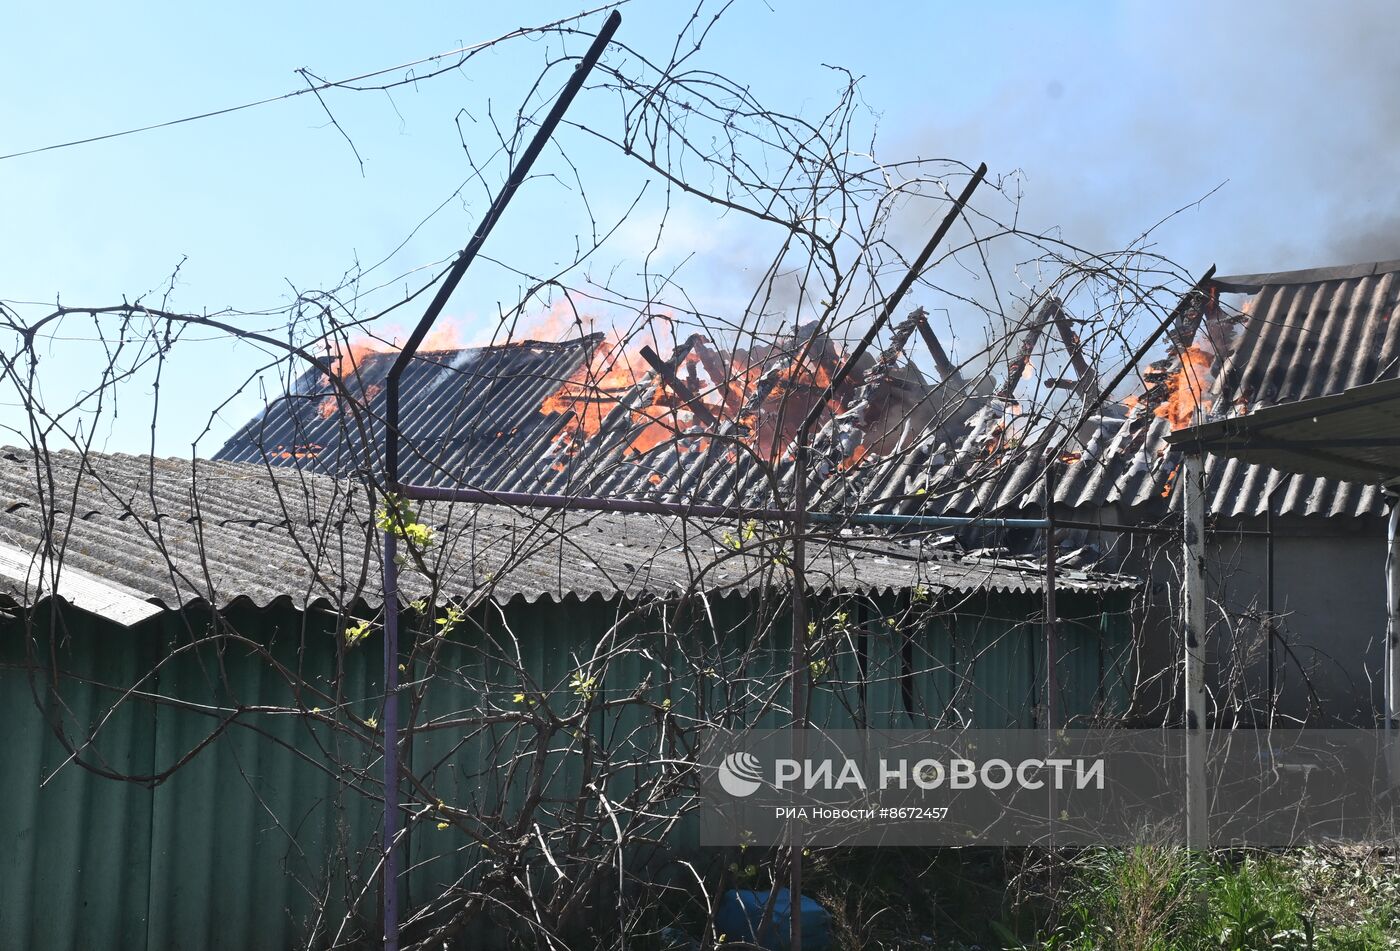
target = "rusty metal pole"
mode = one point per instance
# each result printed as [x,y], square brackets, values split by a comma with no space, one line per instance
[800,673]
[799,550]
[518,173]
[1193,507]
[1051,611]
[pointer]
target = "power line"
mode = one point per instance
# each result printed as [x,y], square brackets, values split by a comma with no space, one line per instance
[519,31]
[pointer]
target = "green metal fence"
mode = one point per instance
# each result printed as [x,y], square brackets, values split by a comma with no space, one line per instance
[262,836]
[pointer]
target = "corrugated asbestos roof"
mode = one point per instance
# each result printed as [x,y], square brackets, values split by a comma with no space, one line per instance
[1305,334]
[1348,435]
[468,415]
[177,533]
[473,418]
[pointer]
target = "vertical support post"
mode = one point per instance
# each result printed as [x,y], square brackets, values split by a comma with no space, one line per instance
[802,449]
[1270,633]
[800,672]
[1392,627]
[391,742]
[1051,611]
[1391,672]
[1193,639]
[518,174]
[1052,691]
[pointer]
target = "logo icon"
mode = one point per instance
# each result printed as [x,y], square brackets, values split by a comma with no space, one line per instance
[740,774]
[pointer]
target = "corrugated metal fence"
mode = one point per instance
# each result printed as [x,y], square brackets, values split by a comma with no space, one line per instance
[262,836]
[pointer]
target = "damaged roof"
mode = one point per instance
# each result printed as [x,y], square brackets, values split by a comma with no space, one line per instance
[1303,334]
[577,418]
[493,418]
[467,414]
[176,533]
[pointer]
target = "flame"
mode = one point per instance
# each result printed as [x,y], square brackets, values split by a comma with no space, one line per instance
[331,404]
[853,460]
[1171,480]
[557,323]
[1070,458]
[1186,389]
[615,371]
[597,390]
[298,451]
[349,355]
[996,440]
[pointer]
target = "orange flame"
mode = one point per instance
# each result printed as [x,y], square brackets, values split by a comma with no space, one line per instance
[996,441]
[1186,389]
[1171,480]
[557,323]
[597,389]
[350,355]
[853,460]
[298,451]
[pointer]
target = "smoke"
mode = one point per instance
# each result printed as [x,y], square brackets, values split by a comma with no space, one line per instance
[1292,109]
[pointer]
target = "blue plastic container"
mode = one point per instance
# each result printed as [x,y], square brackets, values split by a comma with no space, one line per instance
[741,913]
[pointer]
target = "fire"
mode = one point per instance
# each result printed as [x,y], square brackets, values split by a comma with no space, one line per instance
[350,355]
[997,439]
[1186,389]
[331,404]
[853,460]
[727,389]
[557,323]
[597,390]
[298,451]
[1171,480]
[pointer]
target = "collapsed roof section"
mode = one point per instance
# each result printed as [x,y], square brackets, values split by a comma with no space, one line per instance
[1292,336]
[710,425]
[586,416]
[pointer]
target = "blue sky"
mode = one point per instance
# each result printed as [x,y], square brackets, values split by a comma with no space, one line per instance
[1115,115]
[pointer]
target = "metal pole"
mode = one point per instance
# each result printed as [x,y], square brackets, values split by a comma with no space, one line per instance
[1051,612]
[799,679]
[799,519]
[1392,632]
[1391,672]
[1193,637]
[1051,617]
[891,303]
[514,180]
[1271,681]
[592,503]
[391,743]
[483,230]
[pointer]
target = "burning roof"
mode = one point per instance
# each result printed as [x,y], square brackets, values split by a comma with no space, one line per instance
[1295,335]
[466,410]
[593,415]
[709,424]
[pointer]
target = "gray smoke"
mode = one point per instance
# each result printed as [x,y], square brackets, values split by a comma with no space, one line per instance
[1292,108]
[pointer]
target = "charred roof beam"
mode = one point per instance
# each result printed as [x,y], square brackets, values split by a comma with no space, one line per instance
[947,370]
[666,369]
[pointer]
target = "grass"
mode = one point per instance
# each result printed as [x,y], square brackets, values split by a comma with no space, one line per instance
[1150,898]
[1155,898]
